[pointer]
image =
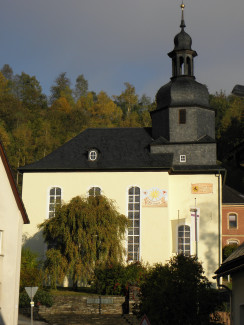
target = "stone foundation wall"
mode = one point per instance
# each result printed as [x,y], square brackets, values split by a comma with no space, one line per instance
[85,305]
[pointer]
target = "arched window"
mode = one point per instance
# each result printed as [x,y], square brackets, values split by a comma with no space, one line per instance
[184,240]
[54,200]
[94,191]
[188,66]
[232,221]
[181,66]
[233,241]
[134,224]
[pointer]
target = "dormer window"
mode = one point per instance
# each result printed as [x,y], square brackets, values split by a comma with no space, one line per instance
[92,155]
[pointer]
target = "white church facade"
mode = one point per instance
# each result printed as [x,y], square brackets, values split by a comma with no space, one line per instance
[164,179]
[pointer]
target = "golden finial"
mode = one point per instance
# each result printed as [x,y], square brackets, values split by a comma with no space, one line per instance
[182,6]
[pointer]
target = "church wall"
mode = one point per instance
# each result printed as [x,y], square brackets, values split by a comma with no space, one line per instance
[205,123]
[159,220]
[183,132]
[184,189]
[160,125]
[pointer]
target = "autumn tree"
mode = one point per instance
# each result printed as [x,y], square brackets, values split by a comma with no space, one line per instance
[84,233]
[7,71]
[128,99]
[61,88]
[81,87]
[29,91]
[104,112]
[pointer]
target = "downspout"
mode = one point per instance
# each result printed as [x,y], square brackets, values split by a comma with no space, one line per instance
[219,220]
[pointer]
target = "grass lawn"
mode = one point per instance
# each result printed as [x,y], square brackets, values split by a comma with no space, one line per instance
[82,291]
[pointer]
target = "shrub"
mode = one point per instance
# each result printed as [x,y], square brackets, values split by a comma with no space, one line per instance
[30,270]
[42,297]
[178,293]
[115,279]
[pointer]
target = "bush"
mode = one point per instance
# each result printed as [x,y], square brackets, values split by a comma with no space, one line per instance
[30,270]
[42,297]
[115,279]
[178,293]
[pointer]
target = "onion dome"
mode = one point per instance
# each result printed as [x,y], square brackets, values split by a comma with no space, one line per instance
[182,40]
[182,90]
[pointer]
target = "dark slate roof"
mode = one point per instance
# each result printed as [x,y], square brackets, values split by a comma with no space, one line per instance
[231,196]
[233,263]
[238,90]
[162,141]
[118,148]
[182,91]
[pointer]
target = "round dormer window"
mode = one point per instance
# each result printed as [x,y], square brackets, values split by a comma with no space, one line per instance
[92,155]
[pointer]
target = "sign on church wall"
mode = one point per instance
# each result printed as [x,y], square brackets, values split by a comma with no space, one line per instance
[155,197]
[202,188]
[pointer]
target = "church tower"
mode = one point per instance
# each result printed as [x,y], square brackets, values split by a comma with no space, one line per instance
[183,122]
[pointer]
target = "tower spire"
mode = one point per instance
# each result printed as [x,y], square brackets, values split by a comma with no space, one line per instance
[182,25]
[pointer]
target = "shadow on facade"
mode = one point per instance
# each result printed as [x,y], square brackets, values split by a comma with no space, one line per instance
[35,243]
[2,322]
[209,234]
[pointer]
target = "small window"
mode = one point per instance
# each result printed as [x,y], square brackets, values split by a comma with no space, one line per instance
[182,116]
[182,158]
[232,220]
[54,200]
[93,154]
[94,191]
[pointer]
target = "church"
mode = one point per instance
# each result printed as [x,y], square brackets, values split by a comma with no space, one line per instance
[165,179]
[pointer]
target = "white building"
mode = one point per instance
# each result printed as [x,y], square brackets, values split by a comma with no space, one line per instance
[12,218]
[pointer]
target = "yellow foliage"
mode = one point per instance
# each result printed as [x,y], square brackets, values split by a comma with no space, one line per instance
[62,104]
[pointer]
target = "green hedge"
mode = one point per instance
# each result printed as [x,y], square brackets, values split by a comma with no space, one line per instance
[115,279]
[42,297]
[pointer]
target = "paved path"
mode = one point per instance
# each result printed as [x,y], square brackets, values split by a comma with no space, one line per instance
[27,321]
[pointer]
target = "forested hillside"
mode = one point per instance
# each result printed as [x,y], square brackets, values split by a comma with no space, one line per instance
[32,125]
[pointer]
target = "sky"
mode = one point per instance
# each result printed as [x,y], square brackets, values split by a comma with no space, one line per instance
[112,42]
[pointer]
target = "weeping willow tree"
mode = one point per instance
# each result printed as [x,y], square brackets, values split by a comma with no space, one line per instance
[85,233]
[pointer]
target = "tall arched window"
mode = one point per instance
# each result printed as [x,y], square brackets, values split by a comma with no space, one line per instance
[134,224]
[54,200]
[184,240]
[94,191]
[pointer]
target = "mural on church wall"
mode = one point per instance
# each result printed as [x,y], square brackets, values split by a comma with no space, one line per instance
[202,188]
[155,197]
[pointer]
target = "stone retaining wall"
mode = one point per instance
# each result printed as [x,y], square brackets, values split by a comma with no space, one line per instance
[85,305]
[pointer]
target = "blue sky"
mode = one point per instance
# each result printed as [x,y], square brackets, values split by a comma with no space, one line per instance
[115,41]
